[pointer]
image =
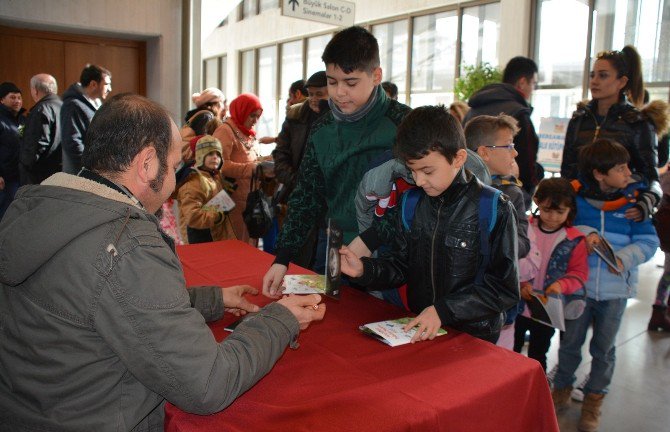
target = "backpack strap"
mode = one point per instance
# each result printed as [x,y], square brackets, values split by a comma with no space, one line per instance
[408,206]
[488,213]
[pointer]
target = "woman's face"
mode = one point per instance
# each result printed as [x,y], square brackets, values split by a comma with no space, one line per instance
[604,84]
[251,121]
[220,108]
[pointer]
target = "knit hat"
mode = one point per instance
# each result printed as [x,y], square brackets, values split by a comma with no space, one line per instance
[205,146]
[207,95]
[317,80]
[8,87]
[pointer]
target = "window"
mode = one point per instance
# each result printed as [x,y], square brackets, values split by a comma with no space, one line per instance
[248,72]
[434,58]
[223,72]
[264,5]
[248,8]
[211,72]
[393,45]
[315,47]
[291,69]
[480,35]
[267,90]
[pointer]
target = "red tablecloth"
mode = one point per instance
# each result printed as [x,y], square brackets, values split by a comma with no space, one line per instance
[341,380]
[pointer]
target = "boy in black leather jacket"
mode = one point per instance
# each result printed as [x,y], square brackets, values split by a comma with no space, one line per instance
[439,255]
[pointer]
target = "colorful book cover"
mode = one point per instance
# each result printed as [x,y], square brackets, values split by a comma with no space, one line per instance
[221,202]
[604,250]
[391,332]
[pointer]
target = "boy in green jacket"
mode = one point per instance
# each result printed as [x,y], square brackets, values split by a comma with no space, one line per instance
[361,125]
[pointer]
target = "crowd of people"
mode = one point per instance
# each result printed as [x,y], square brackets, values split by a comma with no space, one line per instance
[445,211]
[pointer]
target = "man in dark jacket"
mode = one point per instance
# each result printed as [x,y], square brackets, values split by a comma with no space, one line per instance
[80,102]
[12,122]
[98,329]
[440,254]
[511,97]
[41,154]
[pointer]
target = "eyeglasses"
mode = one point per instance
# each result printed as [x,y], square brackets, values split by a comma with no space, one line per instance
[508,147]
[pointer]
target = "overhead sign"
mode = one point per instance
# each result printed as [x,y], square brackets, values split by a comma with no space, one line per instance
[335,12]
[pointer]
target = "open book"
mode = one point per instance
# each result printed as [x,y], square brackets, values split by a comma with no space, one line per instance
[604,250]
[328,283]
[547,310]
[391,332]
[221,202]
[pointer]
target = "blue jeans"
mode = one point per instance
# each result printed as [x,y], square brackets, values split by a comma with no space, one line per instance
[7,195]
[606,317]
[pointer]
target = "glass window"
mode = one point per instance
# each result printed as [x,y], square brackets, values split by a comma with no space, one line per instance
[211,72]
[480,35]
[267,90]
[223,73]
[393,45]
[267,5]
[434,58]
[247,77]
[291,69]
[315,47]
[248,9]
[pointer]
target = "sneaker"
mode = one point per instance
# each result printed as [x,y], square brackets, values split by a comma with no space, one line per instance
[578,393]
[561,398]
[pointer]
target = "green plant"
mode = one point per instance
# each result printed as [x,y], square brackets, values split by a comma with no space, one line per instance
[474,78]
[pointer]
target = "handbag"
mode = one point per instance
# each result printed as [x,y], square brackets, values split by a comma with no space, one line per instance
[259,212]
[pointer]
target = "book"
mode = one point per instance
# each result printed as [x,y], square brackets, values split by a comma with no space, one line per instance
[547,310]
[391,332]
[604,250]
[327,283]
[221,202]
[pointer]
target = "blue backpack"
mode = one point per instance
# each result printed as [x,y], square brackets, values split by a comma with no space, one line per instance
[488,212]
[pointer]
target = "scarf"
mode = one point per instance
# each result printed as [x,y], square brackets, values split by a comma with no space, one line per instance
[240,109]
[356,115]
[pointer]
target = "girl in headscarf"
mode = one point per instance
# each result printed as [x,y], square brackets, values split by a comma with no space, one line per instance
[240,154]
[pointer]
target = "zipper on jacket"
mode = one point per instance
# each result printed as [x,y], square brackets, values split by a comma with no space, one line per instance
[432,251]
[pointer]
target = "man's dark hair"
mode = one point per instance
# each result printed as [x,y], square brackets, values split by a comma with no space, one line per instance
[517,68]
[353,48]
[391,89]
[557,192]
[298,85]
[429,128]
[602,155]
[93,73]
[121,128]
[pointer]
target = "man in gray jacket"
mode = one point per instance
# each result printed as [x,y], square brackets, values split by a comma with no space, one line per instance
[97,329]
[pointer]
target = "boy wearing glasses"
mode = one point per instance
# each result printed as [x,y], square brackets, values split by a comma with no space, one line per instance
[492,137]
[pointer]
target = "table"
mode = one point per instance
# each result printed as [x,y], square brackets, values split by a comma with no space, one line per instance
[342,380]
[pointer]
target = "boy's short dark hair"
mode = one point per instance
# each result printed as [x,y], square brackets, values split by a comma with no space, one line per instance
[557,192]
[517,68]
[351,49]
[602,155]
[480,131]
[428,128]
[92,73]
[391,89]
[298,85]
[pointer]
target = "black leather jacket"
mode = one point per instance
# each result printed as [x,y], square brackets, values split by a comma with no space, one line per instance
[439,256]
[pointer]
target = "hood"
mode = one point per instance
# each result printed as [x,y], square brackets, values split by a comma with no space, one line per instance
[45,218]
[658,112]
[499,94]
[75,91]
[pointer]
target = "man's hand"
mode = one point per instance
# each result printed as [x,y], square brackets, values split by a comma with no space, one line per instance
[428,323]
[272,281]
[350,264]
[267,140]
[358,247]
[305,308]
[2,183]
[525,290]
[634,214]
[234,301]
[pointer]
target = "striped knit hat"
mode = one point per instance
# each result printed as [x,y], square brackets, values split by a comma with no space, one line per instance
[205,146]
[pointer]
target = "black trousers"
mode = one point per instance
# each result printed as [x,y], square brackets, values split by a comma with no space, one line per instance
[540,338]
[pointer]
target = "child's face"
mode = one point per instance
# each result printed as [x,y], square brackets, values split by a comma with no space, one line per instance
[433,172]
[350,91]
[212,161]
[500,153]
[616,178]
[552,219]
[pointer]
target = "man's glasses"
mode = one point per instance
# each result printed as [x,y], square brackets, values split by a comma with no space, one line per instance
[507,147]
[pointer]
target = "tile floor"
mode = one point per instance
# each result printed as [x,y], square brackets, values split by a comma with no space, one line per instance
[639,395]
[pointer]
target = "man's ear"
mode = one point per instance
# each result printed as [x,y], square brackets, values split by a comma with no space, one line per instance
[598,175]
[483,152]
[377,75]
[460,158]
[146,164]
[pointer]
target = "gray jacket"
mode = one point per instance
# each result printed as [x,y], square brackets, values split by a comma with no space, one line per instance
[96,326]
